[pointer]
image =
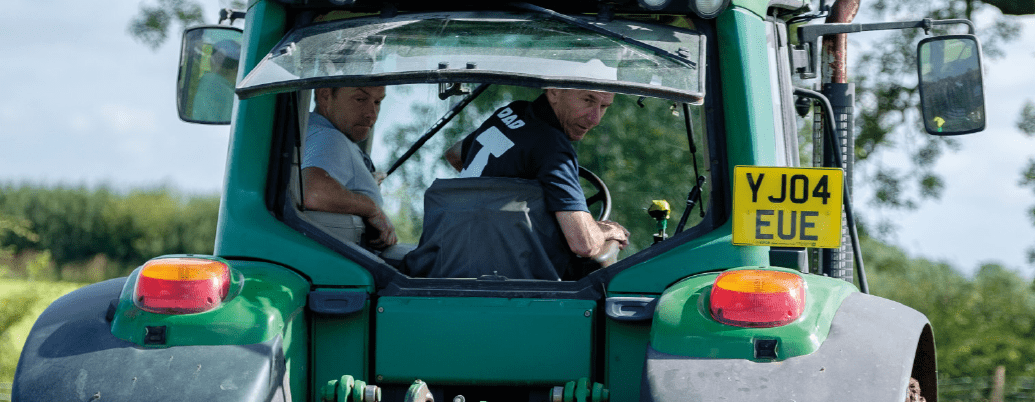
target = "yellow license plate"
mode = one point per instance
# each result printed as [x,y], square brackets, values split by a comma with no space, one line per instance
[788,207]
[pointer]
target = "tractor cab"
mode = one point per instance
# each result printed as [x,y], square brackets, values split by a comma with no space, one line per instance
[480,262]
[444,74]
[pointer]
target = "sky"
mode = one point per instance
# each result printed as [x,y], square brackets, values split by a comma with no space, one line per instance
[85,104]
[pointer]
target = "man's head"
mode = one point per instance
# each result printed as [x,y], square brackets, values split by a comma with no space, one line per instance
[226,54]
[578,110]
[352,111]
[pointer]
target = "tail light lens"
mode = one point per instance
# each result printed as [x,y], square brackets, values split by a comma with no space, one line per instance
[181,285]
[757,298]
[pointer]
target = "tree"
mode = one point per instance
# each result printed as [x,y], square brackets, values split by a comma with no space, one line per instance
[1014,7]
[74,225]
[978,323]
[889,97]
[151,26]
[1026,124]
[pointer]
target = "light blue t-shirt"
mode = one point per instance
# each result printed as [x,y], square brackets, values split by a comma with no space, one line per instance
[329,149]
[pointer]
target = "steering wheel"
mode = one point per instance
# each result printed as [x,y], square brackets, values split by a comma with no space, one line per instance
[602,195]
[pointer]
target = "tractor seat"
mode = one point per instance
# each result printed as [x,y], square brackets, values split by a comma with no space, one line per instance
[488,226]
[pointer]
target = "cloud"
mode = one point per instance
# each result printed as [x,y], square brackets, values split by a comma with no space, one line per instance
[127,119]
[80,123]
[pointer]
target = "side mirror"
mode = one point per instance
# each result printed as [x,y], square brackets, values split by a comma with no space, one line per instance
[209,58]
[951,93]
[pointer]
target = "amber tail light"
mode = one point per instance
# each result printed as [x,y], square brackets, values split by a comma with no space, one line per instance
[757,298]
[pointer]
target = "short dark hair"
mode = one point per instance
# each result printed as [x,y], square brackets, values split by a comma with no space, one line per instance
[231,52]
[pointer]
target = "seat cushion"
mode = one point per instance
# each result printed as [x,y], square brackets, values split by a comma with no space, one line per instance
[485,226]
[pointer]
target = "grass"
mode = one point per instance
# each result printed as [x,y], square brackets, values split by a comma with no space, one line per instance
[21,301]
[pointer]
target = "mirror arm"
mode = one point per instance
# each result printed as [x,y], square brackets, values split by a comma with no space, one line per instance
[230,14]
[806,53]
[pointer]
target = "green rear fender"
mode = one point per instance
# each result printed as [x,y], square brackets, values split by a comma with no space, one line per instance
[683,324]
[264,300]
[867,352]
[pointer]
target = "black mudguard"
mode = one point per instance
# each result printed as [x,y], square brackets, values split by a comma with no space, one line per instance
[868,356]
[71,355]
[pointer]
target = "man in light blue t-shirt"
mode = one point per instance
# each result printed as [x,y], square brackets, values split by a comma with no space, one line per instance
[337,176]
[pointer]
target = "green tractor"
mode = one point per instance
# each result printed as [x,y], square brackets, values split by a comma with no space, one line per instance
[757,294]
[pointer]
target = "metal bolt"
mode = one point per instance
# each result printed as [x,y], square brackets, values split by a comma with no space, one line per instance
[459,398]
[380,309]
[589,313]
[372,394]
[557,394]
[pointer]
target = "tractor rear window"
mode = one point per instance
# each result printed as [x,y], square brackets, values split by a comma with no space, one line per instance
[504,47]
[640,150]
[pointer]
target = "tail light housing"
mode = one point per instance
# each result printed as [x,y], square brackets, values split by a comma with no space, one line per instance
[181,285]
[756,298]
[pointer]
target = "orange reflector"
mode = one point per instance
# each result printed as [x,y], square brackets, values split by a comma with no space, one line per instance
[181,285]
[757,298]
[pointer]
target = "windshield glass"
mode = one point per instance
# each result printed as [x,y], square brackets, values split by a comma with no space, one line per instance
[640,150]
[496,47]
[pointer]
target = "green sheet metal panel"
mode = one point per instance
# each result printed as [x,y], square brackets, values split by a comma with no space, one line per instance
[246,227]
[483,341]
[746,90]
[340,345]
[269,299]
[683,324]
[757,7]
[626,352]
[712,252]
[747,105]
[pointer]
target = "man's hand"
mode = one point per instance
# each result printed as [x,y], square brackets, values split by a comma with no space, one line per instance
[585,236]
[614,231]
[385,228]
[379,176]
[323,193]
[453,156]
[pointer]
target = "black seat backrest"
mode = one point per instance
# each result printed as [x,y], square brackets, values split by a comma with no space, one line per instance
[484,226]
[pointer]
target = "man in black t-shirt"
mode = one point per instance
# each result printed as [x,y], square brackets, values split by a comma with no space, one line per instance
[532,140]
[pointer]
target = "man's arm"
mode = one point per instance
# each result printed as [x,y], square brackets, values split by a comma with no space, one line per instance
[587,237]
[323,193]
[453,156]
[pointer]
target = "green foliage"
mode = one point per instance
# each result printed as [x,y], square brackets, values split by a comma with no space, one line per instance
[642,153]
[18,228]
[151,26]
[1026,121]
[72,226]
[13,309]
[40,267]
[1028,180]
[21,302]
[1013,7]
[889,97]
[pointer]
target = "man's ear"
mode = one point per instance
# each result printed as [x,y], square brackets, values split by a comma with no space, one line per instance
[323,95]
[550,93]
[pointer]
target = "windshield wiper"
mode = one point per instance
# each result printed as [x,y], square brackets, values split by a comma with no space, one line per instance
[606,32]
[438,126]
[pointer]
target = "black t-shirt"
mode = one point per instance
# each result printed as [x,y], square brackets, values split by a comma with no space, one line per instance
[525,140]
